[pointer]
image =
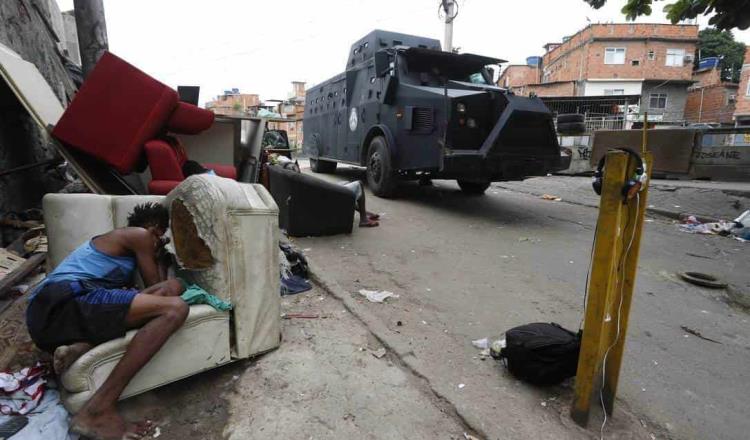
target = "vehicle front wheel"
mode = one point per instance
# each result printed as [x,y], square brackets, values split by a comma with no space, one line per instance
[322,166]
[381,178]
[472,187]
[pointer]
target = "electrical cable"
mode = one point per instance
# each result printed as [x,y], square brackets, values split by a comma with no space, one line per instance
[619,311]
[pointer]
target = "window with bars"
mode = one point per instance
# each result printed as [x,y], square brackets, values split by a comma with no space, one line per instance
[614,55]
[657,101]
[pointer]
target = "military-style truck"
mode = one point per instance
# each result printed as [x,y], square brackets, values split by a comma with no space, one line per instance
[405,109]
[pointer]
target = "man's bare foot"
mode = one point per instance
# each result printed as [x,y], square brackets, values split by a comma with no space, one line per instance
[65,355]
[368,224]
[106,424]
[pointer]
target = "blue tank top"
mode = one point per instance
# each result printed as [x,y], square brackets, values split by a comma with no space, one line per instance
[89,264]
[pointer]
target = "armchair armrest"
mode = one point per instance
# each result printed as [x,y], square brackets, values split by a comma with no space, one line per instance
[163,161]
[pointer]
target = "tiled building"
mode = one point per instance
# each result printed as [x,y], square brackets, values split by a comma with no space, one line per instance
[654,61]
[711,100]
[742,106]
[292,109]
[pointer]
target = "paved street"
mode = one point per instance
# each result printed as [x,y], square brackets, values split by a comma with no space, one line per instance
[471,267]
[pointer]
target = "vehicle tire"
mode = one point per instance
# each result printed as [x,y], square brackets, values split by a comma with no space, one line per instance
[571,128]
[472,187]
[381,178]
[322,166]
[570,117]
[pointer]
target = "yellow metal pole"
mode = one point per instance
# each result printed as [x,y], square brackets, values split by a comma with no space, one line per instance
[602,284]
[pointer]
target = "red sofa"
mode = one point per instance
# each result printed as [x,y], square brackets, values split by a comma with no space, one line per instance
[119,109]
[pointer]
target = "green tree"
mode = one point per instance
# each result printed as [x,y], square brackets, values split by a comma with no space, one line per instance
[715,43]
[725,14]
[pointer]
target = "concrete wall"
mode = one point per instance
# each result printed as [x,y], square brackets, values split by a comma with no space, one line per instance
[27,28]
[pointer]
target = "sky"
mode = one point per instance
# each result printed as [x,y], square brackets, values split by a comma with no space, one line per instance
[262,46]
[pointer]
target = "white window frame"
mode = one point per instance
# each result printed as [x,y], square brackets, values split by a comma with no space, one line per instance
[651,96]
[614,51]
[747,92]
[675,57]
[614,92]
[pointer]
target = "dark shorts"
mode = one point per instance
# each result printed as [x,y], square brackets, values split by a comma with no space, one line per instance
[67,312]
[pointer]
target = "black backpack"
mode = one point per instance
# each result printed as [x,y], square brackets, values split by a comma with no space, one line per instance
[541,353]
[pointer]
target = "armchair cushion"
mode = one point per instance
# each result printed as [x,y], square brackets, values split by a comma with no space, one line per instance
[189,119]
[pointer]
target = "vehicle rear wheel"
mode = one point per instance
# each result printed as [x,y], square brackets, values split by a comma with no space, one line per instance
[322,166]
[381,177]
[472,187]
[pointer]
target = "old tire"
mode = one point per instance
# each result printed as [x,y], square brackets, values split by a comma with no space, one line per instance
[381,178]
[473,188]
[322,166]
[571,127]
[570,117]
[703,280]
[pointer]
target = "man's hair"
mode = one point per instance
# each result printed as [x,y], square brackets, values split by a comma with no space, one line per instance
[149,214]
[191,167]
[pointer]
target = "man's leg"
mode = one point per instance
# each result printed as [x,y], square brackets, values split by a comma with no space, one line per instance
[366,219]
[171,287]
[162,316]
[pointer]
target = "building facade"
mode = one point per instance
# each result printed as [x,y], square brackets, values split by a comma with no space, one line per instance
[742,106]
[292,110]
[711,100]
[234,103]
[654,61]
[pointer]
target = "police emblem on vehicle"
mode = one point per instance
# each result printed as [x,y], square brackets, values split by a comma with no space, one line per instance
[353,119]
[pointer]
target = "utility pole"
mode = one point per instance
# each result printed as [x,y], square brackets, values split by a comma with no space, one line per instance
[449,6]
[92,32]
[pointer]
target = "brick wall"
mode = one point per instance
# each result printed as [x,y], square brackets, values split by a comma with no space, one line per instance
[743,100]
[551,89]
[518,75]
[583,55]
[716,105]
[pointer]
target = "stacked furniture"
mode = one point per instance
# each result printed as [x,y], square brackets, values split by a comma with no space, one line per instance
[121,115]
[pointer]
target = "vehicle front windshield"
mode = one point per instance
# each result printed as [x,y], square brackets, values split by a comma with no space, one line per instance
[435,70]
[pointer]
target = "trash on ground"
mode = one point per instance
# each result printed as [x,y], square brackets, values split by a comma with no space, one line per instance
[21,391]
[551,197]
[481,343]
[496,347]
[10,427]
[378,353]
[735,228]
[294,270]
[470,437]
[49,420]
[377,296]
[461,385]
[300,316]
[697,334]
[703,280]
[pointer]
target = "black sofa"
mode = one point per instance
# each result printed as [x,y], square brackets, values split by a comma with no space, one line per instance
[309,206]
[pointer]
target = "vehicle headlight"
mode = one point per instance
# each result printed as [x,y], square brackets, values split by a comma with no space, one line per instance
[461,107]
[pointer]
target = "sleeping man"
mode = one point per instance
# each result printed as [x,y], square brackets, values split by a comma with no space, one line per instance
[88,300]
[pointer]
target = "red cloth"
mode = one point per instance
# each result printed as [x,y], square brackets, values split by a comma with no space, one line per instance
[115,112]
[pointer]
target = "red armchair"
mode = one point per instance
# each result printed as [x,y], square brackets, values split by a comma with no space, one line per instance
[119,109]
[166,157]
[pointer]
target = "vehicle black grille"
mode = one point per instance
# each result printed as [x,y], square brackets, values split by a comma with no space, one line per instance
[423,119]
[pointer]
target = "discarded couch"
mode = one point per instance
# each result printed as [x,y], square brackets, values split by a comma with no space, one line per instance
[225,236]
[309,206]
[119,109]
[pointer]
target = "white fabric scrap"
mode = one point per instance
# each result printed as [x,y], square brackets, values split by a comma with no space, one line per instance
[48,421]
[377,296]
[21,392]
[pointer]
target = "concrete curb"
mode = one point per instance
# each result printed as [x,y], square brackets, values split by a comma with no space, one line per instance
[379,330]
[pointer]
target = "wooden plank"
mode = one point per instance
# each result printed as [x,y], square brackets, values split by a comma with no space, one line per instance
[636,210]
[21,272]
[601,284]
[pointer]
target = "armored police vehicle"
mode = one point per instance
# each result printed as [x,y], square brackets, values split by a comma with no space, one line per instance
[407,110]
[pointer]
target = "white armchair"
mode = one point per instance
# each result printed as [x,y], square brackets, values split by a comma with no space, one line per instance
[225,236]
